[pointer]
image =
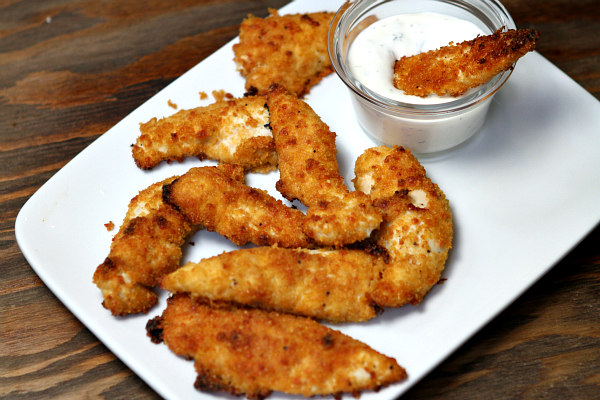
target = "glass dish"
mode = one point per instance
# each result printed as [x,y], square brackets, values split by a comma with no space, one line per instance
[423,128]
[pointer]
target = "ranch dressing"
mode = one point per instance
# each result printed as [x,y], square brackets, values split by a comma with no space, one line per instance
[372,54]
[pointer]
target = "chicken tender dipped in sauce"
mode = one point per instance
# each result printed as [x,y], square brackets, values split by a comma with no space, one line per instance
[456,68]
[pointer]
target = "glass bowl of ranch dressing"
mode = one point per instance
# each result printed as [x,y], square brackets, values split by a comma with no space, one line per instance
[367,37]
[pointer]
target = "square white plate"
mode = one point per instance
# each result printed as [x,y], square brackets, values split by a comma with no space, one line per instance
[523,192]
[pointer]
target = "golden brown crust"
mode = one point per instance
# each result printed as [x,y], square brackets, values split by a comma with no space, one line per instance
[290,50]
[453,69]
[307,158]
[147,246]
[230,130]
[306,150]
[323,284]
[242,214]
[253,353]
[417,230]
[343,285]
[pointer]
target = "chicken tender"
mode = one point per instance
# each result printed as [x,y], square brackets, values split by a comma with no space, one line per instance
[232,131]
[417,230]
[253,353]
[343,285]
[309,172]
[322,284]
[242,214]
[452,70]
[290,50]
[147,246]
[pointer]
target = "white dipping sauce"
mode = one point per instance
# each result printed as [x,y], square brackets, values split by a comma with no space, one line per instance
[373,53]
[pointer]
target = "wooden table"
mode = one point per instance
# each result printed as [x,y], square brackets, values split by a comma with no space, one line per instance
[70,70]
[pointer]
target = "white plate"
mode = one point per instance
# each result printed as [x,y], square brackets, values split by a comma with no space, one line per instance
[523,193]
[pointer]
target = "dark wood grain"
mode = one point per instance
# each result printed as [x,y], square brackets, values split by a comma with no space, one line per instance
[70,70]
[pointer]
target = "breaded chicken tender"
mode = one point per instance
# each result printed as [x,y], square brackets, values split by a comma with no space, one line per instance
[328,285]
[290,50]
[343,285]
[147,246]
[454,69]
[242,214]
[307,161]
[253,353]
[417,230]
[234,131]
